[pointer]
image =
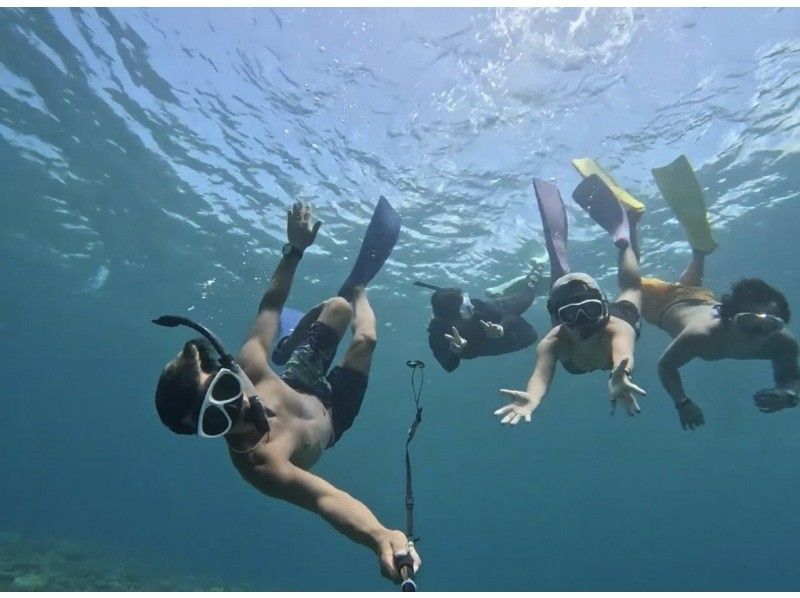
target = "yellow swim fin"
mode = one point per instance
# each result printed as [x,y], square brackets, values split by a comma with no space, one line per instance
[587,167]
[678,184]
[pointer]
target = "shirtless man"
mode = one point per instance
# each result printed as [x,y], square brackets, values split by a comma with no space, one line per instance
[276,427]
[748,323]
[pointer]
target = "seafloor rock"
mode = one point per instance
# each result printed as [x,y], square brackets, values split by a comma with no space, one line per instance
[58,566]
[29,582]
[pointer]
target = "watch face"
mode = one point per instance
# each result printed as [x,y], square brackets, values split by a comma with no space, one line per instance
[287,249]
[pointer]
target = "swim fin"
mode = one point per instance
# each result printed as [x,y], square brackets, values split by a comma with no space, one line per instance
[554,222]
[587,167]
[681,190]
[519,285]
[289,319]
[287,322]
[599,201]
[379,240]
[537,259]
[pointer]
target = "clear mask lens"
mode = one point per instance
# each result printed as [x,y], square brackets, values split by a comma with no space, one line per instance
[591,309]
[753,323]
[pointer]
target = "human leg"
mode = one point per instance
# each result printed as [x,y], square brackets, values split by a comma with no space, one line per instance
[693,275]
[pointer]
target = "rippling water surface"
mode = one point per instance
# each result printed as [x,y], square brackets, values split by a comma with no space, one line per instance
[147,158]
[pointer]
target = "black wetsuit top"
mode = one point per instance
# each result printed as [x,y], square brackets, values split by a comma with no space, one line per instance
[517,332]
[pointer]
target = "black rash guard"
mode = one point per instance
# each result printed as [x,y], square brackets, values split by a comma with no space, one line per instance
[517,332]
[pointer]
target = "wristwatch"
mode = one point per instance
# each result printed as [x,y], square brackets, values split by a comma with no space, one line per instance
[289,250]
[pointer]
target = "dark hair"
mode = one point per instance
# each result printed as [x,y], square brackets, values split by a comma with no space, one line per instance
[446,303]
[179,393]
[751,292]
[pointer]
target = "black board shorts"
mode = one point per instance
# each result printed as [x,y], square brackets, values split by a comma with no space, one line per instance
[341,390]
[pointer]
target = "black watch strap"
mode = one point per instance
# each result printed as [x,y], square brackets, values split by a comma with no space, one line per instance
[292,251]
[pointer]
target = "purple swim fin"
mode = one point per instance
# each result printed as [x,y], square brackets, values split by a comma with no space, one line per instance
[554,222]
[594,196]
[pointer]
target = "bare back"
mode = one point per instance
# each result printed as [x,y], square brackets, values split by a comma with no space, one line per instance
[714,340]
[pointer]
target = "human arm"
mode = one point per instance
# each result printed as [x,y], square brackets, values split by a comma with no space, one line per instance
[517,334]
[786,374]
[525,402]
[620,386]
[681,351]
[346,514]
[440,346]
[785,369]
[301,230]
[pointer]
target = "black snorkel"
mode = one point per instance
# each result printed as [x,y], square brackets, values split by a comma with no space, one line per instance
[427,285]
[257,412]
[225,358]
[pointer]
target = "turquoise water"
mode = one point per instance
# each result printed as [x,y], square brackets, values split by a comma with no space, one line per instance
[147,158]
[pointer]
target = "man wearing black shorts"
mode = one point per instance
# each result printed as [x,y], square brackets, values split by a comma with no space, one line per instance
[277,427]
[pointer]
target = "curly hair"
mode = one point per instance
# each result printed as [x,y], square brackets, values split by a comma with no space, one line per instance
[750,293]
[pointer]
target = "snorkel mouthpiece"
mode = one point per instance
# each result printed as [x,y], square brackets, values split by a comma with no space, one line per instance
[258,415]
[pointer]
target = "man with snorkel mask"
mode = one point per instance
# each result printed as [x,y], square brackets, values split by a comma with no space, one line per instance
[747,323]
[276,427]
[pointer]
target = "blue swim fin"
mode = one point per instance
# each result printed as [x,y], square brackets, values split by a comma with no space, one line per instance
[554,222]
[379,240]
[287,322]
[600,202]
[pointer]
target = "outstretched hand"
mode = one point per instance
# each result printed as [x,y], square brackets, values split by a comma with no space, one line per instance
[622,389]
[521,408]
[491,330]
[770,400]
[301,226]
[457,342]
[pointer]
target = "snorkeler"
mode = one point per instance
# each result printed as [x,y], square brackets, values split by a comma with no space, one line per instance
[277,426]
[589,331]
[462,328]
[748,323]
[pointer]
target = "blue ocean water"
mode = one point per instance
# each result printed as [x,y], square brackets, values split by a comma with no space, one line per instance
[147,158]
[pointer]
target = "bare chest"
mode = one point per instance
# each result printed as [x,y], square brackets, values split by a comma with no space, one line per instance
[587,355]
[301,422]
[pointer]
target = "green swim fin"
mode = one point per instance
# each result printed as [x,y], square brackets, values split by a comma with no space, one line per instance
[678,184]
[587,167]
